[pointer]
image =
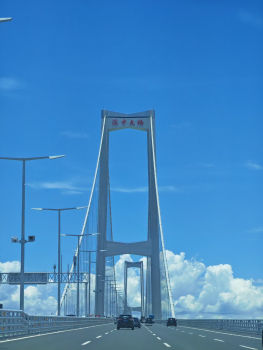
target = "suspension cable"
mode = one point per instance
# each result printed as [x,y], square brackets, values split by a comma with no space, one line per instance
[161,227]
[87,212]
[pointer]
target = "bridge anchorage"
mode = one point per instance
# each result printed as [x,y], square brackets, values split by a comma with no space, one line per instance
[158,297]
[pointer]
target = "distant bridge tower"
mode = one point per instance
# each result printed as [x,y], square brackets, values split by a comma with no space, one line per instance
[143,121]
[128,264]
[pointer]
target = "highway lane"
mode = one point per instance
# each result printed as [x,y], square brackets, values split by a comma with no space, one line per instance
[92,338]
[66,339]
[156,337]
[186,338]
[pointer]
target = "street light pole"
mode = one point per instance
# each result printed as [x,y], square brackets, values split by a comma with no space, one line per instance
[87,234]
[59,267]
[89,284]
[23,241]
[78,281]
[59,234]
[22,273]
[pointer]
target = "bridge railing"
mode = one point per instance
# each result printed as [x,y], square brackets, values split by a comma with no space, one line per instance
[241,326]
[16,322]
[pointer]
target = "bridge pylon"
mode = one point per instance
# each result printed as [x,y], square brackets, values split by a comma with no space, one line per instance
[142,121]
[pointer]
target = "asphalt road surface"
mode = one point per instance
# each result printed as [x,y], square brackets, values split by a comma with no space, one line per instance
[153,337]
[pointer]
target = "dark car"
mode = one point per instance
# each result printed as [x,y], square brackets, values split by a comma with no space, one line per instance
[149,321]
[125,321]
[142,319]
[136,322]
[171,322]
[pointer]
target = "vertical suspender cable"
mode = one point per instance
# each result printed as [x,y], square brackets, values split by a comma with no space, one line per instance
[161,227]
[87,212]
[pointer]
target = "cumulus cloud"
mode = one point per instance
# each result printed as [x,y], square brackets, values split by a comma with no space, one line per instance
[212,292]
[39,299]
[10,266]
[198,291]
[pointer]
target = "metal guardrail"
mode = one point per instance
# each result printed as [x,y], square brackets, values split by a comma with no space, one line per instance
[241,326]
[15,322]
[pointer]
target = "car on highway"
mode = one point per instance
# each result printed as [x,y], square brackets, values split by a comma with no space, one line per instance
[142,319]
[171,322]
[136,322]
[125,321]
[149,321]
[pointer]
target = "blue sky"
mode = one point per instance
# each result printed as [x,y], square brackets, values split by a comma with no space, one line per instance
[197,63]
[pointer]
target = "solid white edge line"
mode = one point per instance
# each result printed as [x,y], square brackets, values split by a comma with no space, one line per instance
[50,333]
[86,342]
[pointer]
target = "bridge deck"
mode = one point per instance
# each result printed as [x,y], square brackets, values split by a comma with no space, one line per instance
[150,337]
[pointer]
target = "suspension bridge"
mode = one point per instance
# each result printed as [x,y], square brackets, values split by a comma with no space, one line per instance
[99,249]
[92,289]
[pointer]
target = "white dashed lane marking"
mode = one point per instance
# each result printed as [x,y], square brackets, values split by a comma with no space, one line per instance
[168,346]
[234,335]
[99,336]
[219,340]
[203,336]
[86,342]
[243,346]
[158,338]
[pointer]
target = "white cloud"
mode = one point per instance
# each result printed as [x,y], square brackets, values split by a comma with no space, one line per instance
[129,190]
[256,230]
[144,189]
[9,84]
[75,135]
[198,291]
[38,299]
[212,292]
[67,187]
[253,165]
[10,266]
[253,19]
[168,189]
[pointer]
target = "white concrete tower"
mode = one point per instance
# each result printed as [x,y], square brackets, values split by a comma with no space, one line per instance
[142,121]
